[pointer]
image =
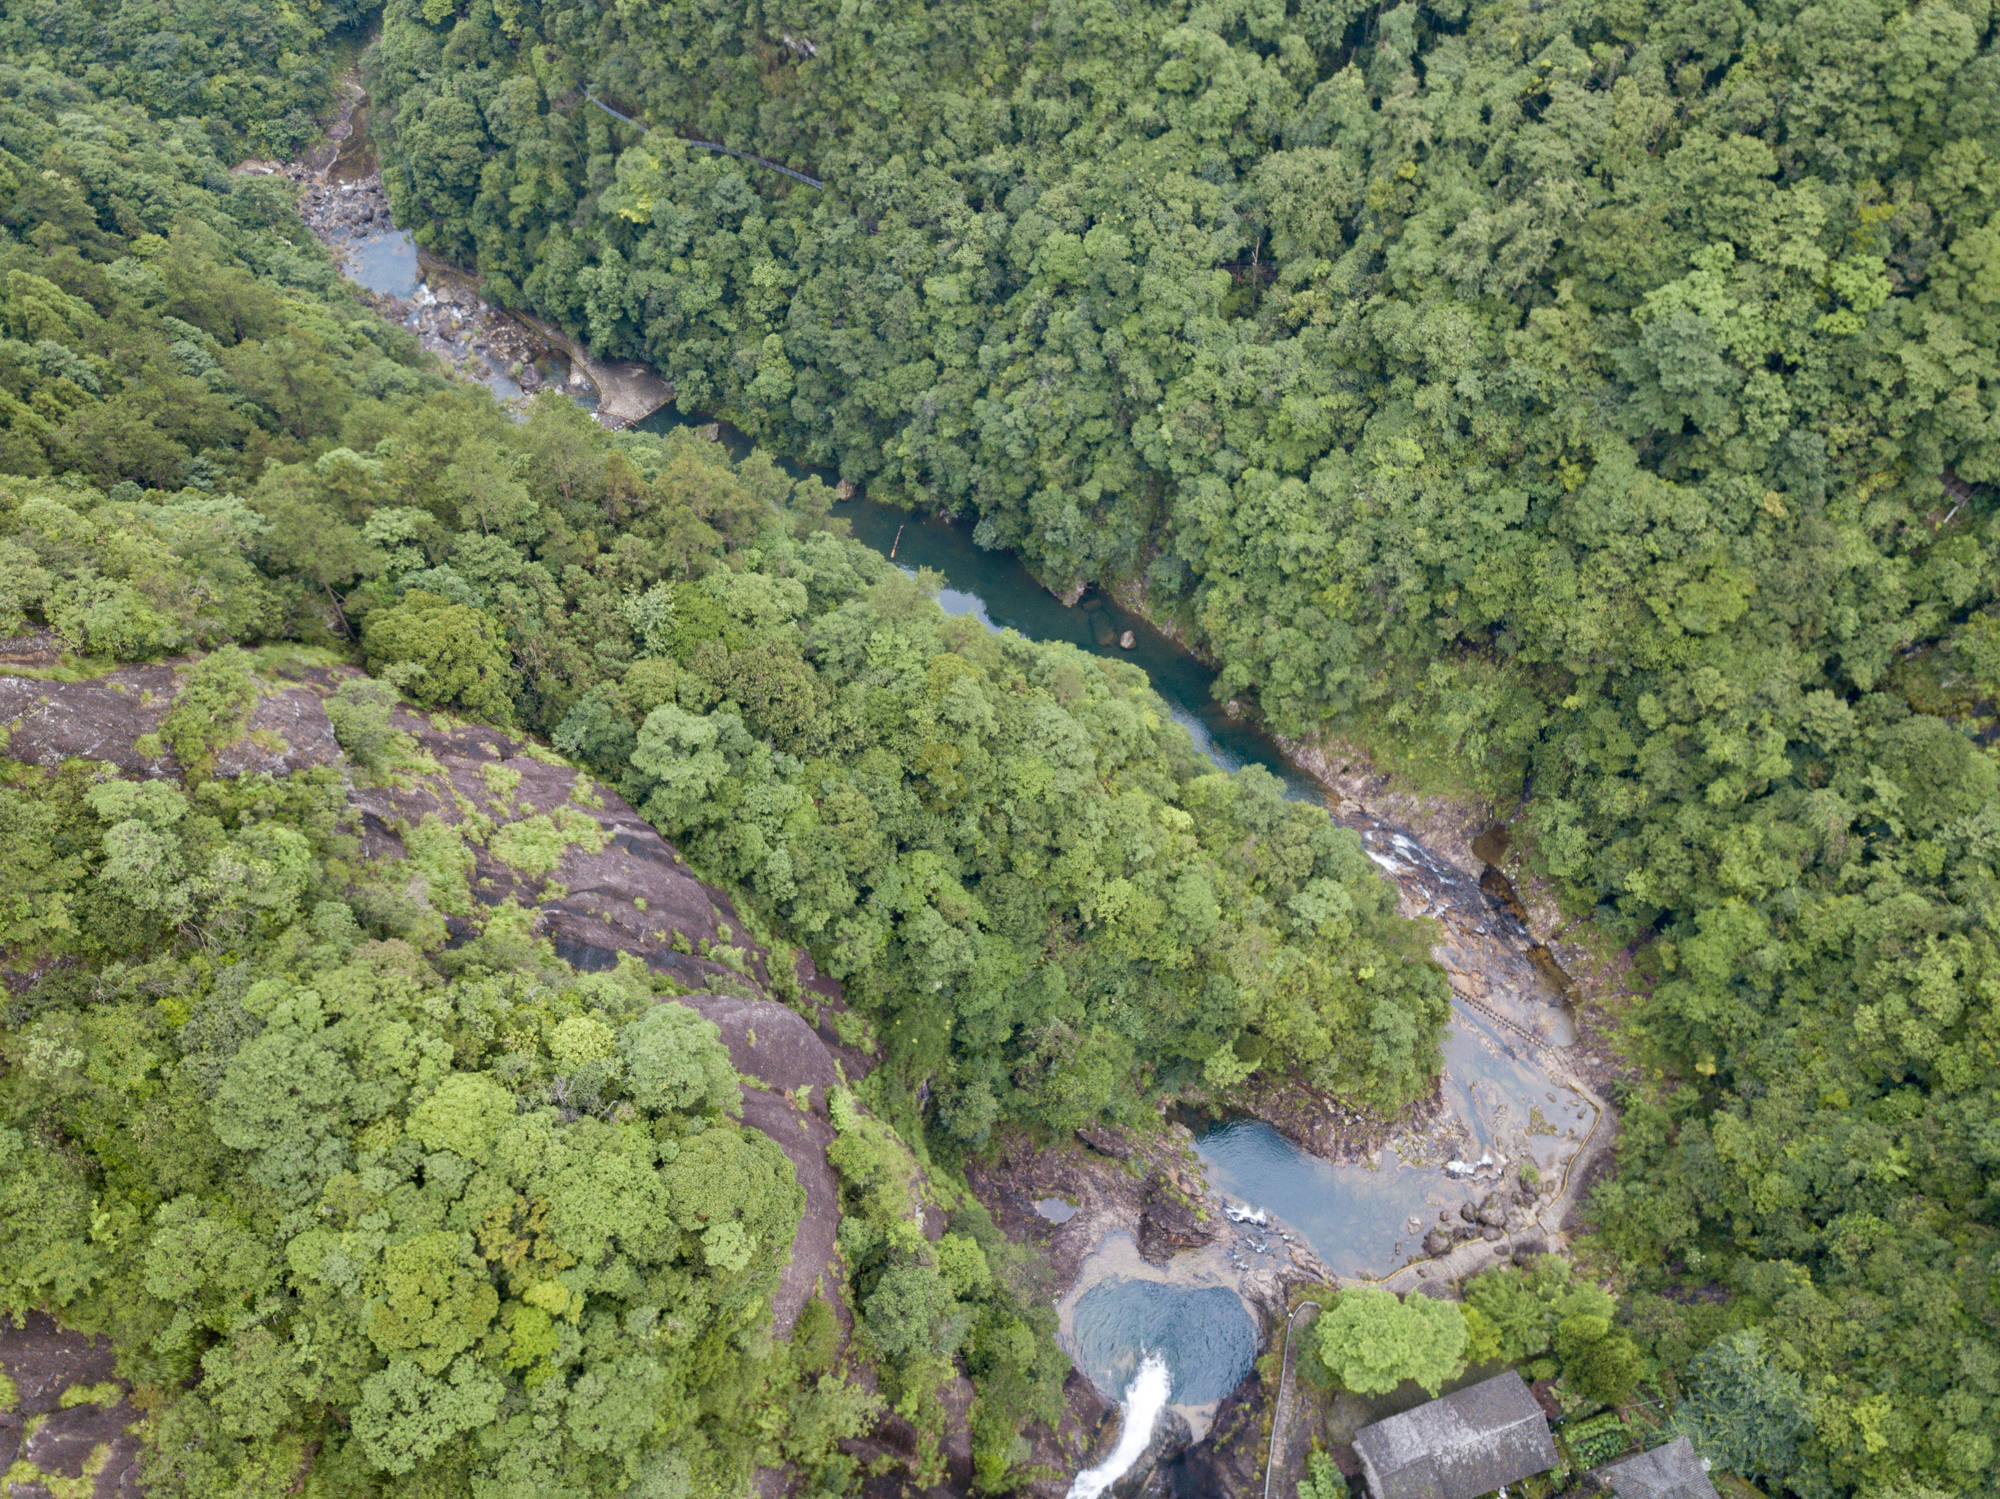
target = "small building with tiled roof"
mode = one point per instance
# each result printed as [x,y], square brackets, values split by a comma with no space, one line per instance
[1468,1443]
[1673,1471]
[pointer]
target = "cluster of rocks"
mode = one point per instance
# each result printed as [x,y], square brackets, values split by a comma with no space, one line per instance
[454,321]
[446,313]
[1503,1211]
[336,210]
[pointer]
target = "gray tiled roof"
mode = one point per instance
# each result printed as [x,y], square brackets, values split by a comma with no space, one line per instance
[1670,1472]
[1469,1443]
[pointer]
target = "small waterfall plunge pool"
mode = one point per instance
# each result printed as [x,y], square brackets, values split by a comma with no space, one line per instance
[1203,1334]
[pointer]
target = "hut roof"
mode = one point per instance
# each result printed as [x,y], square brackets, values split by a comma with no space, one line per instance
[1469,1443]
[1674,1471]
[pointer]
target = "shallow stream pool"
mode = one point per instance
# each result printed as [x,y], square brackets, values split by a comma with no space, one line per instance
[1358,1218]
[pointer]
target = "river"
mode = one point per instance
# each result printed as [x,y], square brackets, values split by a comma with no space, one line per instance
[1508,1111]
[1505,1100]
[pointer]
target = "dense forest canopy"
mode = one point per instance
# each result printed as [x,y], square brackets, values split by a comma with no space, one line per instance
[389,1202]
[255,79]
[1594,400]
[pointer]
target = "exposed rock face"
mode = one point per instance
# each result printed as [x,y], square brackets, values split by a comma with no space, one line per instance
[787,1101]
[50,722]
[44,1360]
[626,890]
[1151,1477]
[1228,1461]
[102,719]
[288,733]
[1106,1142]
[1168,1224]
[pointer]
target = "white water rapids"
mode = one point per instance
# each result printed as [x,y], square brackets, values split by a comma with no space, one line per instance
[1145,1398]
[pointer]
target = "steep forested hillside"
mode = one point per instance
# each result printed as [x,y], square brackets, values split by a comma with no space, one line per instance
[373,1191]
[253,78]
[1593,398]
[1596,399]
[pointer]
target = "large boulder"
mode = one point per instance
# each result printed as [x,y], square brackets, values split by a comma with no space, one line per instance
[97,1432]
[786,1073]
[1168,1223]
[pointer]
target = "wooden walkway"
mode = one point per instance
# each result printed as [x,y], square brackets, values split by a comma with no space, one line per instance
[716,146]
[1281,1413]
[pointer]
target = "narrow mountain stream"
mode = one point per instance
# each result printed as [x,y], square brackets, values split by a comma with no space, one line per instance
[1506,1100]
[1149,1340]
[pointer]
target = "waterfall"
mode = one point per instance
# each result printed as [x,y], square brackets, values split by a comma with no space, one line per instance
[1145,1397]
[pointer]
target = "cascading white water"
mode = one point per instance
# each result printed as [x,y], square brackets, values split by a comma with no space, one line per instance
[1145,1398]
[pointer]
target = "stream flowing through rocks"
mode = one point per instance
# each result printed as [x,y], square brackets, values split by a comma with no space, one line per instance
[1488,1170]
[342,200]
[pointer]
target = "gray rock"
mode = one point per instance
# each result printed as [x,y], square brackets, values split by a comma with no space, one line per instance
[1148,1478]
[1106,1142]
[1168,1225]
[64,1441]
[44,1359]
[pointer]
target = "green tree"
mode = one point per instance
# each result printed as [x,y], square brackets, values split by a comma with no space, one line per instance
[1743,1411]
[1372,1341]
[1321,1480]
[211,709]
[674,1059]
[439,652]
[1598,1362]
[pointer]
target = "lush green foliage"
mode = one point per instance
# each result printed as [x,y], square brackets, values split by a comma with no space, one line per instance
[1557,391]
[1008,852]
[928,1303]
[1582,395]
[453,1219]
[1371,1340]
[166,325]
[252,77]
[1322,1480]
[385,1214]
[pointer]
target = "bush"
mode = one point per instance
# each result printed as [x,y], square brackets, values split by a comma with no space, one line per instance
[359,712]
[1371,1342]
[442,653]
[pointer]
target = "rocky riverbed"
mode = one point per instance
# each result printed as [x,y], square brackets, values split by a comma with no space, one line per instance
[342,200]
[443,309]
